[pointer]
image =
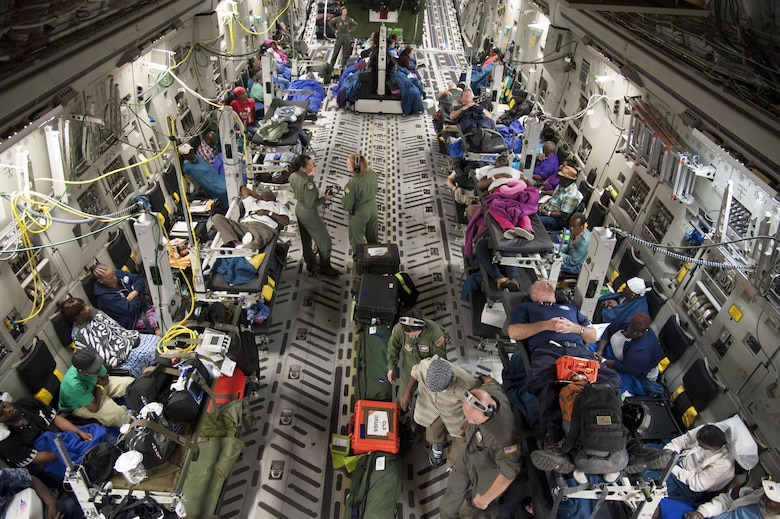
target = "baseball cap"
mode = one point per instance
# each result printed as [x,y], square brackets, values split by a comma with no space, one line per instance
[185,149]
[87,360]
[238,91]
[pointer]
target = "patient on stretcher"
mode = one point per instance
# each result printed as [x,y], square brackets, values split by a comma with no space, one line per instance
[263,217]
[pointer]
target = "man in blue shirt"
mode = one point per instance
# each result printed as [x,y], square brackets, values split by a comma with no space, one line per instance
[574,253]
[203,173]
[632,351]
[119,294]
[553,330]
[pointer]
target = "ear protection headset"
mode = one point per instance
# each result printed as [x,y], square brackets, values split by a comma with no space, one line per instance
[412,321]
[487,410]
[356,165]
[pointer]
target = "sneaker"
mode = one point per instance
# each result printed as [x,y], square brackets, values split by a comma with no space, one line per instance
[509,234]
[551,460]
[247,238]
[580,476]
[611,477]
[553,438]
[436,457]
[641,457]
[523,233]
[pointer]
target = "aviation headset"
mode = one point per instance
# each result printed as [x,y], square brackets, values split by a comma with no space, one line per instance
[487,410]
[356,165]
[414,322]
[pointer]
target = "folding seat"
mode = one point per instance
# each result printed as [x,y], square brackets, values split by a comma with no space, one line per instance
[697,391]
[40,374]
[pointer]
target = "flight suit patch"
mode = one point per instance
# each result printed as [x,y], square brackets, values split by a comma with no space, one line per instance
[310,185]
[511,449]
[346,190]
[408,346]
[422,348]
[441,340]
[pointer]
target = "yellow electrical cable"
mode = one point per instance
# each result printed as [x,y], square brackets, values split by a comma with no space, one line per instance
[108,174]
[273,22]
[232,35]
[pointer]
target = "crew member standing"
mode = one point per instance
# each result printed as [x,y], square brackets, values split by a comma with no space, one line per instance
[488,470]
[343,26]
[310,224]
[360,201]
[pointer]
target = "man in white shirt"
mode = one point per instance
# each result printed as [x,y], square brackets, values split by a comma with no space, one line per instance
[705,464]
[742,503]
[263,217]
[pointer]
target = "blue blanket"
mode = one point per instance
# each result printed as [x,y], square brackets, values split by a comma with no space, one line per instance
[75,446]
[315,98]
[236,271]
[411,95]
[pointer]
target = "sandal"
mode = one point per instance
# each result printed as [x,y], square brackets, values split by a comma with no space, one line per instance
[509,284]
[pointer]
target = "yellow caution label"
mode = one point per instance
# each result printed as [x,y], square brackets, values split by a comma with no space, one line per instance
[735,312]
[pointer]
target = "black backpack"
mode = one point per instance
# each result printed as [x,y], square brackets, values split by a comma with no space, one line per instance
[597,422]
[152,385]
[407,292]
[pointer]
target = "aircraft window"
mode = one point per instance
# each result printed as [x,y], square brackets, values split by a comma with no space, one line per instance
[543,86]
[4,351]
[137,174]
[584,76]
[570,138]
[585,148]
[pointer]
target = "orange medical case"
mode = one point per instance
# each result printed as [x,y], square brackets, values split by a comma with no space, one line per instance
[375,427]
[568,366]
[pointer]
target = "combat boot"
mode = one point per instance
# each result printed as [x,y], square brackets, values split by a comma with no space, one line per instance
[641,457]
[327,270]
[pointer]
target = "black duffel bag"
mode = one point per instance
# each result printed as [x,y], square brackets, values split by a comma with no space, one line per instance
[155,439]
[152,385]
[189,392]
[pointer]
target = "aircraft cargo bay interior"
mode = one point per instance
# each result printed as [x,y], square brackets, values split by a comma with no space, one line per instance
[389,259]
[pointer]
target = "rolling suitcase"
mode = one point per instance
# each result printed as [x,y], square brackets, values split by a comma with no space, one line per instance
[377,259]
[377,298]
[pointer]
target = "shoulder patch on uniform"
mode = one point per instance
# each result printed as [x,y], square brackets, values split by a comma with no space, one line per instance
[346,189]
[441,340]
[511,449]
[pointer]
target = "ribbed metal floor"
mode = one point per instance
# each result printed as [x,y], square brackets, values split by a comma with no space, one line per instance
[307,370]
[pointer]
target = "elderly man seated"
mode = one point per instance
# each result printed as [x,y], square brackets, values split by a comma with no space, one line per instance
[556,211]
[87,390]
[120,295]
[741,503]
[263,217]
[633,351]
[620,307]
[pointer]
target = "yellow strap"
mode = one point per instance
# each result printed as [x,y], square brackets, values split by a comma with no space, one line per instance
[665,363]
[677,392]
[400,279]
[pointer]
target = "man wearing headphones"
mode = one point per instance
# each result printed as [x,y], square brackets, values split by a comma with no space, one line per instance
[420,338]
[487,471]
[553,330]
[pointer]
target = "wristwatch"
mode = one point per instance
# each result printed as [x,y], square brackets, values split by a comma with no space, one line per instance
[582,330]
